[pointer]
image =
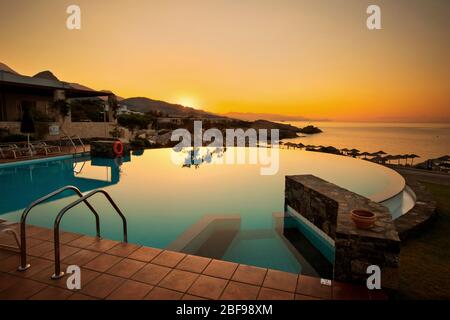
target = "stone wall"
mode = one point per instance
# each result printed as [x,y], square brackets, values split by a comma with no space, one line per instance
[89,129]
[328,207]
[82,129]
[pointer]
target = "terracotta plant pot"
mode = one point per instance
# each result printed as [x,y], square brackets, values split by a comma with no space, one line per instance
[363,219]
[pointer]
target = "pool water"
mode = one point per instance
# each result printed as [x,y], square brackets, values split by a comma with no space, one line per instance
[231,212]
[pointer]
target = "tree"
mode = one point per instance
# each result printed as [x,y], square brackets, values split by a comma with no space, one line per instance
[134,121]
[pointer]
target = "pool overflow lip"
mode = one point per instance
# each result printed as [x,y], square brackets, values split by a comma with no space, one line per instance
[82,198]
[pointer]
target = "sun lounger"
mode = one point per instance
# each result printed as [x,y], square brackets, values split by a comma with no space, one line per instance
[43,146]
[9,237]
[14,150]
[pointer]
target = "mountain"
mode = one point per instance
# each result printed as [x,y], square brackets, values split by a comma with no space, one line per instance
[4,67]
[248,116]
[144,105]
[46,75]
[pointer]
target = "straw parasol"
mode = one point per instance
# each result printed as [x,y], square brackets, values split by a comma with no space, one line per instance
[365,154]
[290,144]
[388,158]
[345,151]
[377,159]
[444,158]
[412,157]
[353,152]
[381,152]
[397,157]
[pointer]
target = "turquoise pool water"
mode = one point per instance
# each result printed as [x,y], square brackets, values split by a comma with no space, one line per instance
[229,212]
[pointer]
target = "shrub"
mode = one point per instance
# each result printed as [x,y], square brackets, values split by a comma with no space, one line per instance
[134,121]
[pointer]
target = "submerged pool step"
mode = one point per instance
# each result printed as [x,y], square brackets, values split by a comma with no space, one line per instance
[210,236]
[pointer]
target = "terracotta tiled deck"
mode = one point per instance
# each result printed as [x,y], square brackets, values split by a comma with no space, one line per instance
[113,270]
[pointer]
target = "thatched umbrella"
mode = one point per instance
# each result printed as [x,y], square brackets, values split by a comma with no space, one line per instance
[406,157]
[345,150]
[377,159]
[354,153]
[388,158]
[397,157]
[381,152]
[412,157]
[300,145]
[443,158]
[290,144]
[365,154]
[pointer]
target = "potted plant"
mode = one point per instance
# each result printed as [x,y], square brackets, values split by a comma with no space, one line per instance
[363,219]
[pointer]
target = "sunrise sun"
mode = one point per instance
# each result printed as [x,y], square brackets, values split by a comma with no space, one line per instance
[187,102]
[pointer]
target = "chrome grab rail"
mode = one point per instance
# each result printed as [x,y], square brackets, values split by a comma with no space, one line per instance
[23,238]
[81,142]
[58,273]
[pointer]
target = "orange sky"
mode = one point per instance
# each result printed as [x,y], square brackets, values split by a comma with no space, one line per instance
[310,58]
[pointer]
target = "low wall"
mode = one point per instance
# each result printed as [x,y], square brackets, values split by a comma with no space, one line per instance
[328,207]
[12,127]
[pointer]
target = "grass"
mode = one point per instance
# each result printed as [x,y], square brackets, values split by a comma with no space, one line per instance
[425,258]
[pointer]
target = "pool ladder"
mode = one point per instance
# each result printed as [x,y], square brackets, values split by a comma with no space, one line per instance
[82,198]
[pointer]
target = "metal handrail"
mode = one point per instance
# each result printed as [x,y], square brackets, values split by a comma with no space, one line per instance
[23,238]
[58,273]
[81,142]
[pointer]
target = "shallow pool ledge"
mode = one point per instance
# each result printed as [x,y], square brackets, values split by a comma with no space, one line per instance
[328,207]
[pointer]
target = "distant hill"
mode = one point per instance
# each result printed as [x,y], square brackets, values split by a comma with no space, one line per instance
[144,105]
[4,67]
[46,75]
[247,116]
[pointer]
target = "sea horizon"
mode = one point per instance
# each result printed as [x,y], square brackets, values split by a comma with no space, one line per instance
[427,139]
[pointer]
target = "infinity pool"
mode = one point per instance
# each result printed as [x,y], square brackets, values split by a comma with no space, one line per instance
[230,212]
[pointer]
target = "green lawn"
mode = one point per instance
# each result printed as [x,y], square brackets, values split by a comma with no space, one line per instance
[425,258]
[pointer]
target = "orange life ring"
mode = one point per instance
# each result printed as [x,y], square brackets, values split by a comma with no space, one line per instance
[118,148]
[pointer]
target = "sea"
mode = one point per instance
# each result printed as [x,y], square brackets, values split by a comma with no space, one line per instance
[427,140]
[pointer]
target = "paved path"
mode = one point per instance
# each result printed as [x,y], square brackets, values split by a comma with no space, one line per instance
[426,176]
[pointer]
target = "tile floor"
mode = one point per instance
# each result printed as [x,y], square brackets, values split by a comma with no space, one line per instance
[117,271]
